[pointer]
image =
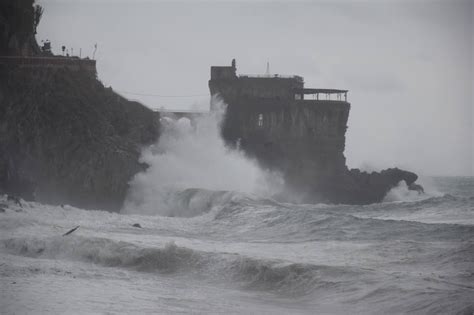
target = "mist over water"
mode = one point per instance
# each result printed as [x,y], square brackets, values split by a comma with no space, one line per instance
[191,162]
[191,171]
[402,193]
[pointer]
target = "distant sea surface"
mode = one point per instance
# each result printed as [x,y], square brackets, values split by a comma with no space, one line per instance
[230,252]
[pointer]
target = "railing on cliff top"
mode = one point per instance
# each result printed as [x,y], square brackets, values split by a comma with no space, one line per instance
[47,61]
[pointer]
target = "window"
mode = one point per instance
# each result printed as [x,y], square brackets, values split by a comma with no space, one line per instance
[260,120]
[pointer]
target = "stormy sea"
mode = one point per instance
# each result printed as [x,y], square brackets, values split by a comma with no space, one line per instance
[200,233]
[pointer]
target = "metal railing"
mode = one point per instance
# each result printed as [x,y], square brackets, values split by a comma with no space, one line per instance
[20,60]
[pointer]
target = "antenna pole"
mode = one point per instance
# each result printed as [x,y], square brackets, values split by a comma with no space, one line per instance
[95,49]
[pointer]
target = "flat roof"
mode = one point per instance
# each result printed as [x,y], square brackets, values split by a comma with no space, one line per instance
[315,91]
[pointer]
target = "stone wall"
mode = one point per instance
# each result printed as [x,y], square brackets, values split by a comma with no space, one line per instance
[268,87]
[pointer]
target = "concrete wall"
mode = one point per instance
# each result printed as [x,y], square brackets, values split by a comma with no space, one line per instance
[275,87]
[219,73]
[255,87]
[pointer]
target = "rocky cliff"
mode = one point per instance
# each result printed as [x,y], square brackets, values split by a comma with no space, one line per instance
[18,22]
[65,138]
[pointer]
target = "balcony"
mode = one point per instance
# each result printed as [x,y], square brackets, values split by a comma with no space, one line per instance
[339,95]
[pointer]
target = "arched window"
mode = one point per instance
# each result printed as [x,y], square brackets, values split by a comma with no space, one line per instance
[260,120]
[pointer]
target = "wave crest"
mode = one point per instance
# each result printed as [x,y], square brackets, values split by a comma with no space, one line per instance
[250,273]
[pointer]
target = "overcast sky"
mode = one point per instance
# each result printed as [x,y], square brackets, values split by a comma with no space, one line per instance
[408,64]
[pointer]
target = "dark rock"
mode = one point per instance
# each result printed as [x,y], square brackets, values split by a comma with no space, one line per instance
[2,210]
[137,225]
[18,28]
[417,188]
[363,188]
[14,199]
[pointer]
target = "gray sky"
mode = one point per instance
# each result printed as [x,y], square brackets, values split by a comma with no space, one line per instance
[408,64]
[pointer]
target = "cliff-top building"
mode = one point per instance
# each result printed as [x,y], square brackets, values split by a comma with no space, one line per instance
[298,131]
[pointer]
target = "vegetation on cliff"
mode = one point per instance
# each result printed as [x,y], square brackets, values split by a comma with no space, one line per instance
[65,138]
[18,22]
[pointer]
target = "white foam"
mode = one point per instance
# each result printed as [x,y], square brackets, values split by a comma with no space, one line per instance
[188,156]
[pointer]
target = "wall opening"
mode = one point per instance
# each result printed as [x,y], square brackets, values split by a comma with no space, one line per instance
[260,120]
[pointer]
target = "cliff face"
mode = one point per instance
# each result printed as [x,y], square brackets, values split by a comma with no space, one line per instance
[304,139]
[65,138]
[18,21]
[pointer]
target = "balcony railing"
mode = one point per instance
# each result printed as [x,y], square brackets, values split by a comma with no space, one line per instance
[321,94]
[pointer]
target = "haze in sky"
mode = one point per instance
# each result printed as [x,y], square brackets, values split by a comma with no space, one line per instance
[408,65]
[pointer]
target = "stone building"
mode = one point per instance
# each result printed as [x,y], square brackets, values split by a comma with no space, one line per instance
[299,132]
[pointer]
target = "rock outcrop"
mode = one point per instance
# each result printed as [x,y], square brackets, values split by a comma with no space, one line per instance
[65,138]
[269,118]
[18,22]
